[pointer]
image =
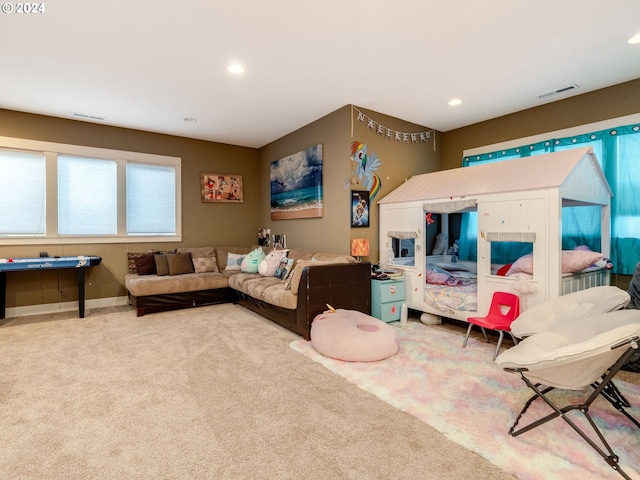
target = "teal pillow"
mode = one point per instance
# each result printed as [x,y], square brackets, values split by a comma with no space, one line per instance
[252,260]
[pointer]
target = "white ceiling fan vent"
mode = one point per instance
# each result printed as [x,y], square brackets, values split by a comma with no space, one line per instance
[88,117]
[573,86]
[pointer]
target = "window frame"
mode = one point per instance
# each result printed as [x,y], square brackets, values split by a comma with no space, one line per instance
[51,151]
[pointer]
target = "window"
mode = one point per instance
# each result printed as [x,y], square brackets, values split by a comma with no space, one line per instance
[151,199]
[403,248]
[617,148]
[73,194]
[87,202]
[22,195]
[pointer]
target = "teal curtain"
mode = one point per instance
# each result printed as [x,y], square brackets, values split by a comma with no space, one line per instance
[618,151]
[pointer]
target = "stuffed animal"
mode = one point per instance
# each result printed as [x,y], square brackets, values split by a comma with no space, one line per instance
[252,260]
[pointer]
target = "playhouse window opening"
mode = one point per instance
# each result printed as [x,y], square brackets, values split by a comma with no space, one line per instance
[404,251]
[505,254]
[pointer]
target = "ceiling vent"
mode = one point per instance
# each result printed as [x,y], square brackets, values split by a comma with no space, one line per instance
[573,86]
[88,117]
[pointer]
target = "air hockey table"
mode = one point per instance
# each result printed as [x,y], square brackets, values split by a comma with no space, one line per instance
[80,263]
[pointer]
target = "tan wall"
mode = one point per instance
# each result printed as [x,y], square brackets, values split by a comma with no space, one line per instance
[202,223]
[333,231]
[611,102]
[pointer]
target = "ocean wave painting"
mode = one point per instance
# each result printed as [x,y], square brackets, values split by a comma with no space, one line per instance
[296,185]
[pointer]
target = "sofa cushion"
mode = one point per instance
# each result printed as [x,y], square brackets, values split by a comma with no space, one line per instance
[198,252]
[146,264]
[267,289]
[142,285]
[205,264]
[180,263]
[133,256]
[162,267]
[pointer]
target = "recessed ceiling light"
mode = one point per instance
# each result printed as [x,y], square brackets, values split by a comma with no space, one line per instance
[236,68]
[190,119]
[635,39]
[454,102]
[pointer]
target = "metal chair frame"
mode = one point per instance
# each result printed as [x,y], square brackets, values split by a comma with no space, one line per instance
[605,387]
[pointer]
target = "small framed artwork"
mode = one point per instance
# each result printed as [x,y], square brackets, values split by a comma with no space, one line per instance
[264,237]
[359,208]
[216,187]
[279,241]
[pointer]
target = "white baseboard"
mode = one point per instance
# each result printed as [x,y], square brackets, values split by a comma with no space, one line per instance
[12,312]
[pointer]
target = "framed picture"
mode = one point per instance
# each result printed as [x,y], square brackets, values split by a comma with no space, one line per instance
[216,187]
[279,240]
[264,237]
[359,208]
[296,185]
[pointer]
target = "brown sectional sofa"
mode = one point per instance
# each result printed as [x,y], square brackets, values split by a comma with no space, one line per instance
[316,279]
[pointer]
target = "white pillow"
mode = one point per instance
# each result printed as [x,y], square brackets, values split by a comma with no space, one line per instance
[234,261]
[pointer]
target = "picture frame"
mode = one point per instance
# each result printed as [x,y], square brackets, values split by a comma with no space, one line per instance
[279,241]
[296,185]
[221,188]
[264,237]
[359,208]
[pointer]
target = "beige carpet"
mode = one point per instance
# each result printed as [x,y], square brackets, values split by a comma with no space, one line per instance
[205,393]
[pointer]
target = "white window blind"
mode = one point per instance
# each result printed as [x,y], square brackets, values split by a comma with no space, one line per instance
[23,194]
[87,198]
[57,193]
[151,199]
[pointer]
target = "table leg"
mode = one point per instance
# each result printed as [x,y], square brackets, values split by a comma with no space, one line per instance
[81,292]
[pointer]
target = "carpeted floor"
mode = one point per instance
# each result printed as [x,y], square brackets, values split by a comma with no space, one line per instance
[204,393]
[462,393]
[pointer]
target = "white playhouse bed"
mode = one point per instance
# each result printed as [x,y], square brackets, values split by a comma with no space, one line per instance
[517,201]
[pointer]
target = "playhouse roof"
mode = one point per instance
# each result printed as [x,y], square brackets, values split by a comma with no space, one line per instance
[575,172]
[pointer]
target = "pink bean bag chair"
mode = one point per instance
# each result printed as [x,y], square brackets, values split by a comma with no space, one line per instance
[353,336]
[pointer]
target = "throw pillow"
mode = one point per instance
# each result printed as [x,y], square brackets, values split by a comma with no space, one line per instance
[572,261]
[131,261]
[577,260]
[251,262]
[234,261]
[162,267]
[180,263]
[146,264]
[524,264]
[269,264]
[437,275]
[205,264]
[284,268]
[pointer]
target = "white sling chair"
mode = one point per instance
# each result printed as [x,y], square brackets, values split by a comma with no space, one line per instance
[572,355]
[591,301]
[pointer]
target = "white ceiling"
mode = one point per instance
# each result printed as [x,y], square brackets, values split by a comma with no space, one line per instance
[148,64]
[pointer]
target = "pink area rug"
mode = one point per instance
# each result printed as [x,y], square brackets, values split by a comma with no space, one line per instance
[463,394]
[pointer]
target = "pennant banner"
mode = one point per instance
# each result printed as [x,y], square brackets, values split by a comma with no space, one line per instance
[389,133]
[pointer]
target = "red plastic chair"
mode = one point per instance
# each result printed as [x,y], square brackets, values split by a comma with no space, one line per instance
[504,309]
